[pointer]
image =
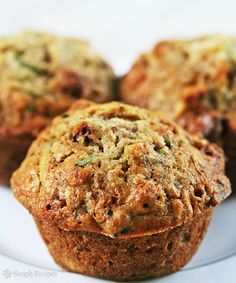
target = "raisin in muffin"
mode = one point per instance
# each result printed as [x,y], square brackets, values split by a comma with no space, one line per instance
[193,81]
[41,75]
[119,192]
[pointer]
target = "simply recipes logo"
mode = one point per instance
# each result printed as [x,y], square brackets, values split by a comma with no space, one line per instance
[8,273]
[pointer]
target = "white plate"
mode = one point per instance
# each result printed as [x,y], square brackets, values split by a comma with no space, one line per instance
[118,29]
[21,247]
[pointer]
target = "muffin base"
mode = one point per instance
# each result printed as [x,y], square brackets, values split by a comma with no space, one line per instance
[12,153]
[125,258]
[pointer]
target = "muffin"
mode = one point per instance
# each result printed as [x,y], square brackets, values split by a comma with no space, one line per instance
[41,75]
[119,192]
[193,81]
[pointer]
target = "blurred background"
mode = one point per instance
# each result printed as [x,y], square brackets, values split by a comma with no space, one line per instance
[120,29]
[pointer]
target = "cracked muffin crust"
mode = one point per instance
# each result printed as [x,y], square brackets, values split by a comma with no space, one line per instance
[41,75]
[119,170]
[192,81]
[116,172]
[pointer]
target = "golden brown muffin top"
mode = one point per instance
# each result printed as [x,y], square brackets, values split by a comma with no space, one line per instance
[120,171]
[184,75]
[41,75]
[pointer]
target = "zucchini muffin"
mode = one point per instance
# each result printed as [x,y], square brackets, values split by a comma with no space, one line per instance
[119,192]
[193,81]
[41,75]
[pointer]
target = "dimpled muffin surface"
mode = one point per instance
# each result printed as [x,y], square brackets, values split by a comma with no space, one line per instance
[192,81]
[120,171]
[178,75]
[41,75]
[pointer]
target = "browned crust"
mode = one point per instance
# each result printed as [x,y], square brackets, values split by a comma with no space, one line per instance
[229,146]
[125,259]
[20,123]
[12,152]
[41,75]
[81,104]
[209,124]
[130,191]
[218,128]
[197,88]
[174,78]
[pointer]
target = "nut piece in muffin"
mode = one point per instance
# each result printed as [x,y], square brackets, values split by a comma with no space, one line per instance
[124,181]
[41,75]
[193,81]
